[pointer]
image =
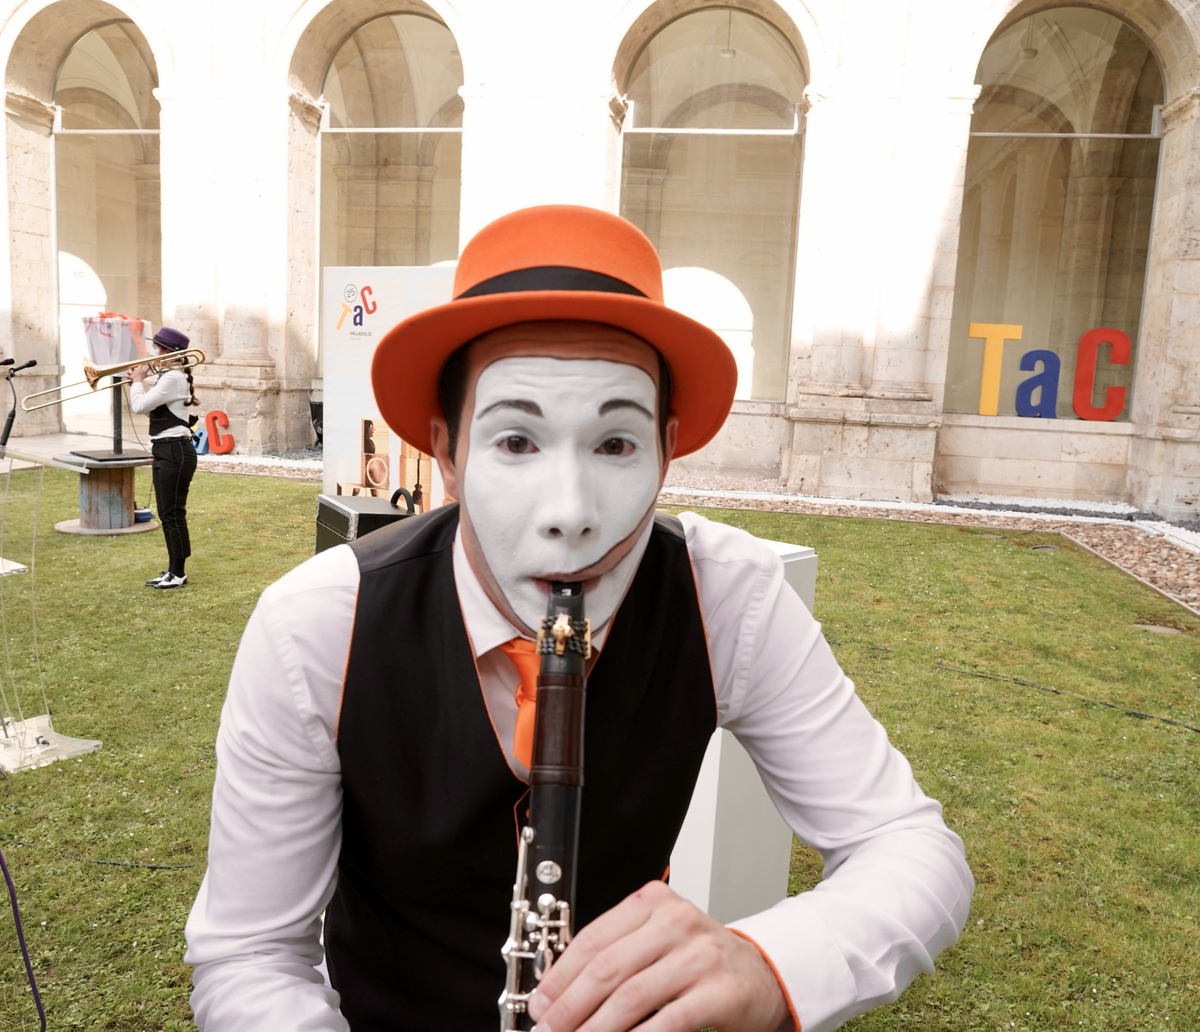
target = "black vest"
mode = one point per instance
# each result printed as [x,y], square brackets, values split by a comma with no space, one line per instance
[430,808]
[162,418]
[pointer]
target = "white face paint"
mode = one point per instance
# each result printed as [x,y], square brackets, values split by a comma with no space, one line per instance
[562,469]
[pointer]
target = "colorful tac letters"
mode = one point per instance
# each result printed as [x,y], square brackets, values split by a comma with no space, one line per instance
[1045,382]
[357,303]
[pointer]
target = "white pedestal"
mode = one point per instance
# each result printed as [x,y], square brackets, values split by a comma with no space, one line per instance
[734,850]
[33,742]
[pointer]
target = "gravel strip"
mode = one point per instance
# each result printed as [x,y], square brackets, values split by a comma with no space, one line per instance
[261,466]
[1162,556]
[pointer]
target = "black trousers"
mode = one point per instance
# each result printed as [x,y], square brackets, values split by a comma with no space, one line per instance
[174,464]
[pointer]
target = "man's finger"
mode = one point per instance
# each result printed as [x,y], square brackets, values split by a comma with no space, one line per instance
[613,925]
[614,982]
[642,994]
[613,969]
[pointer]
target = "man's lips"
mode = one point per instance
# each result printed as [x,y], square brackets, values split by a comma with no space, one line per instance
[589,583]
[589,575]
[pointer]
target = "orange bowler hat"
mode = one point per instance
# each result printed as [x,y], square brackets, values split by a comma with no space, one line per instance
[555,261]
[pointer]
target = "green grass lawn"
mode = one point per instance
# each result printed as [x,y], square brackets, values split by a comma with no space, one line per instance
[1081,822]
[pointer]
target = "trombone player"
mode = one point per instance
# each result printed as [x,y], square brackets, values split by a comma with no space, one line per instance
[170,445]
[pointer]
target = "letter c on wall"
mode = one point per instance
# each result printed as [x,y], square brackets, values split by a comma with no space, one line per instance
[1085,374]
[218,443]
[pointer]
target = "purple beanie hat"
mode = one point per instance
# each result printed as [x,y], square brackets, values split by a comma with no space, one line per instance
[171,340]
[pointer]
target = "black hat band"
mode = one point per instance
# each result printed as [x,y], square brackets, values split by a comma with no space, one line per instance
[550,277]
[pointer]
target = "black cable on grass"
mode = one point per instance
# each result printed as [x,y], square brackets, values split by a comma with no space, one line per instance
[127,863]
[33,986]
[107,863]
[1071,695]
[16,910]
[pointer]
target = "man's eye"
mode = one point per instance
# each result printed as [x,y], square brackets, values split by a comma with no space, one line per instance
[616,446]
[515,444]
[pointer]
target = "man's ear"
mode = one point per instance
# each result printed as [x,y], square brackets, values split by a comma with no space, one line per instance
[439,434]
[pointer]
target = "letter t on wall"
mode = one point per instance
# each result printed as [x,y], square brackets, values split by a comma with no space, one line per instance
[994,335]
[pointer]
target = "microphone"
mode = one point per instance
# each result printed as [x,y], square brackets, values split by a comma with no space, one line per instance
[7,361]
[27,365]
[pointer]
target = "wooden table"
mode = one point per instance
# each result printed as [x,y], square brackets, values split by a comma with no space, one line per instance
[105,496]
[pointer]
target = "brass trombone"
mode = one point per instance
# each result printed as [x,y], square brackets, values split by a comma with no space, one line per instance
[188,359]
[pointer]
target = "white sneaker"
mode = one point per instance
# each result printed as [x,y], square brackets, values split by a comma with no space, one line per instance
[169,580]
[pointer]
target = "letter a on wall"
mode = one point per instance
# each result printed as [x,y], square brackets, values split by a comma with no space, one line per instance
[1047,380]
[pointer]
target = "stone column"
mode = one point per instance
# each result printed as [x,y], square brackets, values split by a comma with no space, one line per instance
[641,199]
[299,361]
[32,273]
[1164,474]
[919,244]
[1084,257]
[191,243]
[538,123]
[303,260]
[831,313]
[225,230]
[874,291]
[149,241]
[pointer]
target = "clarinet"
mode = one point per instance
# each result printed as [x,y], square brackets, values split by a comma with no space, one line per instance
[542,908]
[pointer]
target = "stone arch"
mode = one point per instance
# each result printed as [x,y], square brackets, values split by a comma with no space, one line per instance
[1098,192]
[658,15]
[1046,112]
[1173,34]
[320,35]
[714,97]
[314,36]
[668,179]
[38,49]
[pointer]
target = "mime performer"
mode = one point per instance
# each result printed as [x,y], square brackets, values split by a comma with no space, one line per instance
[371,758]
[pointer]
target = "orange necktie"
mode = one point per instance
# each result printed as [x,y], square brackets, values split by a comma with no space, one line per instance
[525,658]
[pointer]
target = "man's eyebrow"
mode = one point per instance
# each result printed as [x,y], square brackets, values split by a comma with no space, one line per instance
[531,407]
[620,403]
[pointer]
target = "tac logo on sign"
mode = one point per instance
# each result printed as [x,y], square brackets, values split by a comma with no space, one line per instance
[358,303]
[1045,381]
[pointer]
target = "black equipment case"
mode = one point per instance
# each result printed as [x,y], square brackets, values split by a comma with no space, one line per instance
[342,518]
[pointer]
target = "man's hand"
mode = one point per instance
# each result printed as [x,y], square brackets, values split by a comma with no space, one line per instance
[657,963]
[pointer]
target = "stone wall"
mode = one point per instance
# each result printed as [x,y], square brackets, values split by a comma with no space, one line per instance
[887,114]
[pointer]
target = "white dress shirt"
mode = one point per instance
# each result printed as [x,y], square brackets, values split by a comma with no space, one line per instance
[171,389]
[896,887]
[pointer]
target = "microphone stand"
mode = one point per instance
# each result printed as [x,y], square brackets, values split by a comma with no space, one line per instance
[12,412]
[7,565]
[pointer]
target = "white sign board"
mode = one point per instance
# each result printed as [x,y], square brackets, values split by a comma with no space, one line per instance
[734,851]
[359,305]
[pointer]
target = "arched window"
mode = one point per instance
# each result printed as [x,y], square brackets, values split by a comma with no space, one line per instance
[711,173]
[1056,217]
[106,176]
[391,145]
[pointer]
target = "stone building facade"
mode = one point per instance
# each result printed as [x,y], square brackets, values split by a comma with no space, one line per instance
[952,245]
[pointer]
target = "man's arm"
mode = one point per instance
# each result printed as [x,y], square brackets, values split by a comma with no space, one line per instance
[896,888]
[253,934]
